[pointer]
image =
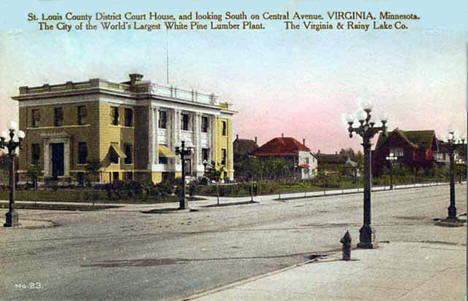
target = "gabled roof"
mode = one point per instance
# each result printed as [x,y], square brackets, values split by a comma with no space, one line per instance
[417,139]
[244,146]
[281,146]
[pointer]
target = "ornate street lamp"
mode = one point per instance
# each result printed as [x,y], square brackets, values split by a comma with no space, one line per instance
[183,151]
[11,140]
[453,143]
[392,159]
[367,130]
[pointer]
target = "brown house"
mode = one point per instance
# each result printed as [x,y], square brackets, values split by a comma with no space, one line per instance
[414,149]
[243,148]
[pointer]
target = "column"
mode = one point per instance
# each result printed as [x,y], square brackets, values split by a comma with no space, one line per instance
[197,143]
[66,157]
[212,139]
[175,133]
[155,135]
[46,152]
[150,137]
[230,151]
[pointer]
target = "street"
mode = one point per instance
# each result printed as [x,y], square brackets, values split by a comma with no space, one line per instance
[123,254]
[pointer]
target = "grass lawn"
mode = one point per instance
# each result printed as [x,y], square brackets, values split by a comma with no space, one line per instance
[39,206]
[81,196]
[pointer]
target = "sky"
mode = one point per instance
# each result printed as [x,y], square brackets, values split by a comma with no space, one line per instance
[296,83]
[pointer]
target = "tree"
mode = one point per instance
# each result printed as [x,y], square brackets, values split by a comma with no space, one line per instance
[249,168]
[93,167]
[4,168]
[349,153]
[275,167]
[214,173]
[33,174]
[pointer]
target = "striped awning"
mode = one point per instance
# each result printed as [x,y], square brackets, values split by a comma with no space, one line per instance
[164,151]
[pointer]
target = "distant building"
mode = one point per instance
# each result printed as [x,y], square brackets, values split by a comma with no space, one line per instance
[243,148]
[301,160]
[337,164]
[414,149]
[442,156]
[132,128]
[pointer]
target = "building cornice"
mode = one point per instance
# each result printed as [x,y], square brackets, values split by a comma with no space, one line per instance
[130,98]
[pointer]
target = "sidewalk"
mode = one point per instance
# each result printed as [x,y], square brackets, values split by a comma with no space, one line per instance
[393,271]
[211,200]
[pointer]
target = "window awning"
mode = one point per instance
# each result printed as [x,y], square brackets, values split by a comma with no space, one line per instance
[164,151]
[116,149]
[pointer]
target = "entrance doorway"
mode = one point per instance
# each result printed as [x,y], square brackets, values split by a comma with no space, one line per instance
[115,176]
[57,159]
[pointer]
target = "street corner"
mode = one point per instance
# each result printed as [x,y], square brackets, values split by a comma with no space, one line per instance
[458,221]
[30,224]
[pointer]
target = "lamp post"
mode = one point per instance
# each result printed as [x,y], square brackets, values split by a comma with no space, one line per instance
[391,158]
[183,151]
[367,130]
[453,144]
[11,140]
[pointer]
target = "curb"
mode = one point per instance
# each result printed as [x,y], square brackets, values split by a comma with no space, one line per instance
[360,190]
[221,288]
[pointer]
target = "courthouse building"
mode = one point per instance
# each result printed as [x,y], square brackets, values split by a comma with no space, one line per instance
[132,128]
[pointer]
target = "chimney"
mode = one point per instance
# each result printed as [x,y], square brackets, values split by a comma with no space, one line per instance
[303,141]
[282,135]
[255,139]
[237,136]
[135,78]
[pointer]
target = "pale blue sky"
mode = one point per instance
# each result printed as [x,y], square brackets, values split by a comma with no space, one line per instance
[296,83]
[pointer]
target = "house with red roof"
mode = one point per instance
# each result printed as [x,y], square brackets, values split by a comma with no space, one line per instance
[302,162]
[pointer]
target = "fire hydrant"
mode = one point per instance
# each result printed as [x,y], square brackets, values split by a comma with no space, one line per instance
[346,241]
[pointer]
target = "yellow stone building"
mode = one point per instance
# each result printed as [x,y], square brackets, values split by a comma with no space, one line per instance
[131,128]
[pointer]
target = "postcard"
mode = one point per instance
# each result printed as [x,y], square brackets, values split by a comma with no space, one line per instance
[248,150]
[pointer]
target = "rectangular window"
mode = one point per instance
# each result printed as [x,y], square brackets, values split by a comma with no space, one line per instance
[35,153]
[223,156]
[128,154]
[398,151]
[128,117]
[58,116]
[185,122]
[114,115]
[204,124]
[162,160]
[81,114]
[224,125]
[35,117]
[205,154]
[82,152]
[162,119]
[188,167]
